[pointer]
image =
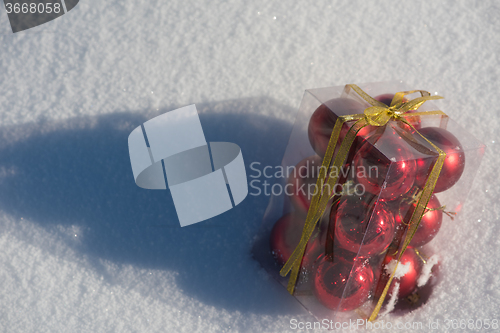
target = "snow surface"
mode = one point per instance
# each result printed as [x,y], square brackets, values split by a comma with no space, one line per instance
[82,249]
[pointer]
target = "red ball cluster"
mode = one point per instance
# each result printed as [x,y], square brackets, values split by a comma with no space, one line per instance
[349,260]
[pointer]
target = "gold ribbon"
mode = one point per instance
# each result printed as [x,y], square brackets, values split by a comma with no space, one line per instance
[377,115]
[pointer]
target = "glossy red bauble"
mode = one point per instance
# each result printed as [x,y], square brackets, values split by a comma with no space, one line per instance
[340,286]
[410,264]
[361,220]
[385,162]
[385,98]
[454,163]
[429,224]
[285,236]
[323,120]
[302,182]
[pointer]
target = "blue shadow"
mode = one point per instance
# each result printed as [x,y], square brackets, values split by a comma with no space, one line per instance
[77,172]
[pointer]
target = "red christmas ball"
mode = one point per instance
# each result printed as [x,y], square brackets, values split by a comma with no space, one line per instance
[454,163]
[361,219]
[429,224]
[385,98]
[323,120]
[302,182]
[392,171]
[285,236]
[409,269]
[340,286]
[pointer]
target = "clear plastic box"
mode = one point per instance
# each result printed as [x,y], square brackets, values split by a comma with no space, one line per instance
[353,249]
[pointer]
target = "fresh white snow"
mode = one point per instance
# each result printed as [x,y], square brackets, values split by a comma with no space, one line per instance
[83,249]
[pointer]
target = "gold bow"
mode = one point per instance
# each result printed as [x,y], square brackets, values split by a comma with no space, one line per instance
[379,114]
[376,115]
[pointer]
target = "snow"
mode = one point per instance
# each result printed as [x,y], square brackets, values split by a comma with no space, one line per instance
[392,299]
[401,268]
[427,270]
[83,249]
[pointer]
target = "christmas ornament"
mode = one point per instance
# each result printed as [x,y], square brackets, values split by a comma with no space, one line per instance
[379,154]
[350,221]
[426,282]
[323,120]
[331,280]
[285,236]
[429,224]
[302,182]
[407,274]
[385,98]
[454,163]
